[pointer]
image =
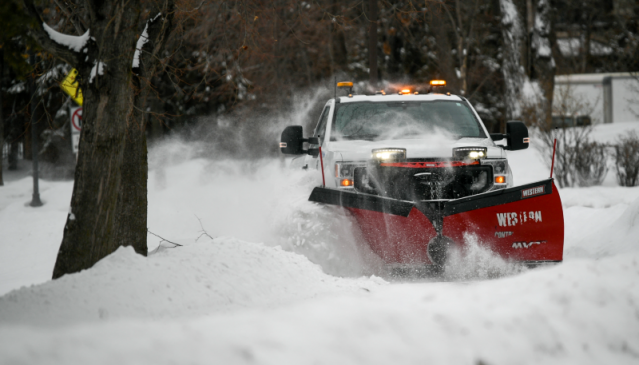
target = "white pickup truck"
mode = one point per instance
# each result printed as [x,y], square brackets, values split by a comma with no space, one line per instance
[384,156]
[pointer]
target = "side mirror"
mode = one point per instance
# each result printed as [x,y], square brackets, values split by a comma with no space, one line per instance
[517,136]
[292,142]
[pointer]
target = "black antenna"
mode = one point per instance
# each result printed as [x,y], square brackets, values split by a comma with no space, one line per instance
[335,86]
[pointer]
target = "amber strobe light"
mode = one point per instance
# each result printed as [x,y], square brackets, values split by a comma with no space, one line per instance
[405,91]
[500,179]
[346,182]
[345,84]
[437,82]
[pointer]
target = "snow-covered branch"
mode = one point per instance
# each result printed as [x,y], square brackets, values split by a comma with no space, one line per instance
[74,43]
[152,39]
[65,47]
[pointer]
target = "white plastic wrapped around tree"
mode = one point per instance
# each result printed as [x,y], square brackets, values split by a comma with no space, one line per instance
[543,61]
[514,76]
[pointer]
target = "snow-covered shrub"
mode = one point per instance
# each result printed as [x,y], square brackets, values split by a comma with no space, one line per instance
[627,159]
[578,161]
[590,162]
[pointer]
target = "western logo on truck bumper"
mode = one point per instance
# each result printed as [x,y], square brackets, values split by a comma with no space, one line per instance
[529,193]
[514,218]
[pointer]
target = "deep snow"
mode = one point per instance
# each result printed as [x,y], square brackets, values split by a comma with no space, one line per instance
[286,281]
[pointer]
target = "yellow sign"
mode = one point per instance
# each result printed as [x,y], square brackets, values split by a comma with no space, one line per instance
[71,86]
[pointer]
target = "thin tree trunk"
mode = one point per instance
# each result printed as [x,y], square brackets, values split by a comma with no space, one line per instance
[445,61]
[372,42]
[585,44]
[12,159]
[338,42]
[1,116]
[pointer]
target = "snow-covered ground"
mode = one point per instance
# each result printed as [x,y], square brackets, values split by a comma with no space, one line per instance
[285,281]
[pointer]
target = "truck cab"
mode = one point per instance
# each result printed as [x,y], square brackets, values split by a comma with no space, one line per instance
[406,146]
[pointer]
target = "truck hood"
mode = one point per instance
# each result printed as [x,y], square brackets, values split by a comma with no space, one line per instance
[436,147]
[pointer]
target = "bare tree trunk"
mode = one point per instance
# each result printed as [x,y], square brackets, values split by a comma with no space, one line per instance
[105,79]
[530,25]
[90,231]
[585,44]
[445,61]
[462,51]
[1,116]
[338,42]
[131,220]
[108,205]
[372,42]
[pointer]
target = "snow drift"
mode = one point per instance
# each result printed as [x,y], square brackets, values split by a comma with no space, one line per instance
[192,280]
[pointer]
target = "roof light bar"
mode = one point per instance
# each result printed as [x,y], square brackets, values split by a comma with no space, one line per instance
[345,84]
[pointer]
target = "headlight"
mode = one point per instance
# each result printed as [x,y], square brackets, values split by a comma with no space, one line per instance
[386,154]
[473,153]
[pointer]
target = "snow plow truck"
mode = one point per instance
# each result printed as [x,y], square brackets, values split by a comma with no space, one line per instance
[419,172]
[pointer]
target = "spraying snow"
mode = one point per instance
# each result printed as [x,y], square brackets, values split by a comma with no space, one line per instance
[476,262]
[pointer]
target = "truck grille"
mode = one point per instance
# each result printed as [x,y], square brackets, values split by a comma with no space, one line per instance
[428,183]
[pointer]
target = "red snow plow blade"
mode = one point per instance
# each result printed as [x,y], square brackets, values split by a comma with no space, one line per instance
[523,223]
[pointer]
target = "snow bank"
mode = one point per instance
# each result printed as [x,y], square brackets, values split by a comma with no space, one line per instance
[609,133]
[580,312]
[613,231]
[192,280]
[598,196]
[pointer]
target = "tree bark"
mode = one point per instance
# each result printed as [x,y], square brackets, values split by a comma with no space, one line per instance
[338,41]
[1,116]
[131,221]
[445,61]
[104,66]
[108,205]
[372,42]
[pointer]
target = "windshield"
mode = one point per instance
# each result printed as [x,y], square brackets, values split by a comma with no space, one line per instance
[401,120]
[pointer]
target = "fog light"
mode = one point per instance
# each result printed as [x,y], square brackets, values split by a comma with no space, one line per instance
[473,153]
[500,179]
[346,182]
[389,153]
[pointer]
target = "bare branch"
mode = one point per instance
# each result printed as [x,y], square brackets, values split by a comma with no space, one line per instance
[203,231]
[163,239]
[79,27]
